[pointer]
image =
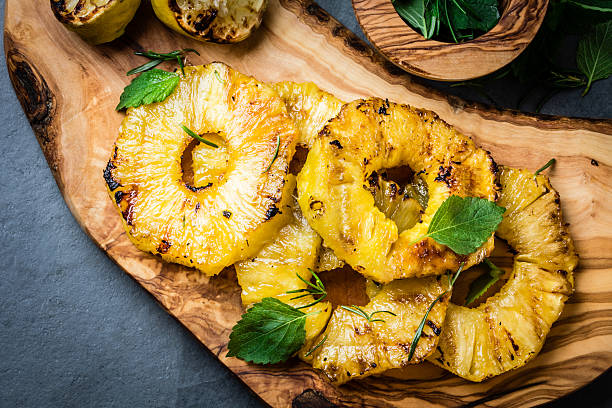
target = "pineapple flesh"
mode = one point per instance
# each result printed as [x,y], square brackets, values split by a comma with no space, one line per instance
[509,329]
[354,347]
[213,226]
[373,134]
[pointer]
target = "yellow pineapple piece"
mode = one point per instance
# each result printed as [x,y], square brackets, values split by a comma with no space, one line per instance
[509,329]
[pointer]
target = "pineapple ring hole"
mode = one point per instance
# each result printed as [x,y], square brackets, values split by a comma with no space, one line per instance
[399,194]
[503,257]
[205,166]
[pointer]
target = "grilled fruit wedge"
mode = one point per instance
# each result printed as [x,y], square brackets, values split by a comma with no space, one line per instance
[218,21]
[354,347]
[274,271]
[96,21]
[509,329]
[215,226]
[373,134]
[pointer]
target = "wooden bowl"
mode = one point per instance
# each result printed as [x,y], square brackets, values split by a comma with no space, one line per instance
[408,49]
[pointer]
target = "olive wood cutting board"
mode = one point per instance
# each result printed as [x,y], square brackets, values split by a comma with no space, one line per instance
[69,90]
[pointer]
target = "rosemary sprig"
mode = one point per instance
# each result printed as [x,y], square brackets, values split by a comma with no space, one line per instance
[275,153]
[198,137]
[157,58]
[369,317]
[419,331]
[312,289]
[544,167]
[219,77]
[312,350]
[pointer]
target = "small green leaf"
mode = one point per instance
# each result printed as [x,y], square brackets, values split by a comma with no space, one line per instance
[198,137]
[597,5]
[464,224]
[312,350]
[594,55]
[275,152]
[157,58]
[484,282]
[414,13]
[473,14]
[269,332]
[149,87]
[544,167]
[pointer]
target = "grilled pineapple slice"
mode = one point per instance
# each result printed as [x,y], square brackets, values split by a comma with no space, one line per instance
[96,21]
[213,226]
[370,135]
[273,272]
[354,347]
[509,329]
[219,21]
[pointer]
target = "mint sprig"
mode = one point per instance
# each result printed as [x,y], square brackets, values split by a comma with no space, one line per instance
[269,332]
[149,87]
[464,224]
[594,54]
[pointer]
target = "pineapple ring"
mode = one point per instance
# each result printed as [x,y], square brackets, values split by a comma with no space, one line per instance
[213,226]
[373,134]
[510,328]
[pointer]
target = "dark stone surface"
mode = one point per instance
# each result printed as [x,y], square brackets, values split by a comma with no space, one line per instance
[78,332]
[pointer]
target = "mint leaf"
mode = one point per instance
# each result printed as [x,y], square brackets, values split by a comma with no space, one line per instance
[414,13]
[594,55]
[464,224]
[151,86]
[598,5]
[269,332]
[473,14]
[484,282]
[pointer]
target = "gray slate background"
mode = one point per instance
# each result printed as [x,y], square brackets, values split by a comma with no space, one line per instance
[78,332]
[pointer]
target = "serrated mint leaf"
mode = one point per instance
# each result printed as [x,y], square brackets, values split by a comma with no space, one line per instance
[269,332]
[149,87]
[594,55]
[473,14]
[597,5]
[464,224]
[415,14]
[481,284]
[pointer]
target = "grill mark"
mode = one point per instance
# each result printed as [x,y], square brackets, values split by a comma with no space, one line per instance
[437,330]
[111,182]
[271,212]
[164,246]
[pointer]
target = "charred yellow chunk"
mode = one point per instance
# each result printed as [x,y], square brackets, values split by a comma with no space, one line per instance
[96,21]
[353,347]
[373,134]
[213,226]
[510,328]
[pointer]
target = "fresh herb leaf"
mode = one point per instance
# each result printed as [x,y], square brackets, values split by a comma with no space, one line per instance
[544,167]
[480,15]
[269,332]
[151,86]
[594,55]
[316,289]
[481,284]
[275,152]
[219,77]
[157,58]
[198,137]
[464,224]
[369,317]
[312,350]
[597,5]
[414,13]
[419,330]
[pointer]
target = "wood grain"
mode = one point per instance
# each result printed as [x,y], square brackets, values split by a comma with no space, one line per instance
[69,89]
[408,49]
